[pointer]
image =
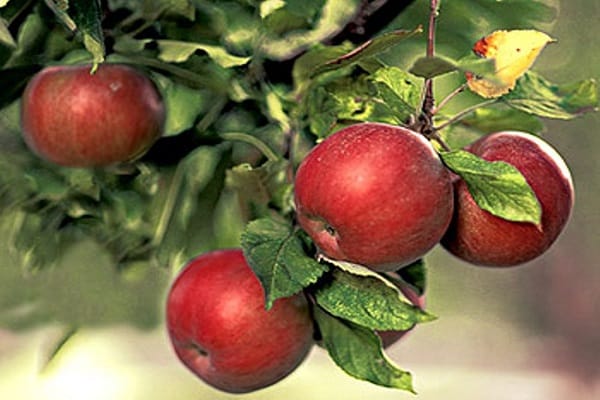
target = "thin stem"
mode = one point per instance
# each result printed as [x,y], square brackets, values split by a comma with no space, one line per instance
[176,71]
[168,206]
[435,135]
[464,113]
[260,145]
[428,101]
[449,97]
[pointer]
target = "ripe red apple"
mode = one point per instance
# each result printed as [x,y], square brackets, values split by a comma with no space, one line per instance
[374,194]
[481,238]
[220,330]
[74,118]
[390,337]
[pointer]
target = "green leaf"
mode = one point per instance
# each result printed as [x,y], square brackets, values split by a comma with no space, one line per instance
[83,16]
[305,65]
[368,301]
[430,67]
[370,48]
[183,104]
[6,37]
[495,119]
[358,351]
[31,39]
[177,51]
[535,95]
[275,251]
[398,90]
[415,275]
[357,99]
[333,17]
[260,187]
[34,240]
[496,187]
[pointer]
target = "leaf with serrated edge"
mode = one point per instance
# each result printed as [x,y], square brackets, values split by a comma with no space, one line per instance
[368,301]
[496,187]
[536,95]
[358,351]
[275,253]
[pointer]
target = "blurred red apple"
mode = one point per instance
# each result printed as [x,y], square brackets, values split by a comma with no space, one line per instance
[74,118]
[220,330]
[481,238]
[374,194]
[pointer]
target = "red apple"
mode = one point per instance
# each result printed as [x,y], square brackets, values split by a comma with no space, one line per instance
[390,337]
[74,118]
[481,238]
[220,330]
[374,194]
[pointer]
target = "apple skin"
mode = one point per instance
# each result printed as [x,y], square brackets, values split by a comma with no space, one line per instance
[480,238]
[374,194]
[390,337]
[220,330]
[77,119]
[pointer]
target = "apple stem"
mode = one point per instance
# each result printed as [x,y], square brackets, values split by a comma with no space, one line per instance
[254,141]
[464,113]
[428,100]
[424,123]
[449,97]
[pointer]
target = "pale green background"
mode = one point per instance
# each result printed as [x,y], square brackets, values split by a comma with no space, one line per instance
[525,333]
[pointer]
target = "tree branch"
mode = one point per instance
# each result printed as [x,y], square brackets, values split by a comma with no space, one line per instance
[372,17]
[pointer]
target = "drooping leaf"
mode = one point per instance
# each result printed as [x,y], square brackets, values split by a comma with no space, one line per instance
[177,51]
[495,119]
[358,351]
[275,252]
[496,187]
[368,301]
[536,95]
[370,48]
[85,17]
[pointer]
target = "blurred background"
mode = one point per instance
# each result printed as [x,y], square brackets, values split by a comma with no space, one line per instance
[526,333]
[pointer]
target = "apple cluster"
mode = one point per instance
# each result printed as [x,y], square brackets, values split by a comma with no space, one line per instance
[221,330]
[370,194]
[380,196]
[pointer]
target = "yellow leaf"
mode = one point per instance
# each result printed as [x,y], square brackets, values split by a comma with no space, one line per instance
[513,52]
